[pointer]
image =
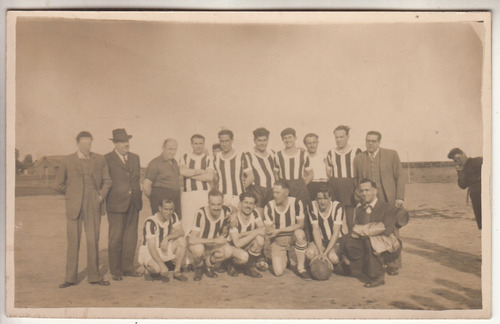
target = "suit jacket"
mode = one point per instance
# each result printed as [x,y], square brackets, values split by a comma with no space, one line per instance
[382,212]
[391,172]
[69,180]
[126,183]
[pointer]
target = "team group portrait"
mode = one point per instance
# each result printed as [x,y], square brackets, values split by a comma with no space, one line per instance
[218,166]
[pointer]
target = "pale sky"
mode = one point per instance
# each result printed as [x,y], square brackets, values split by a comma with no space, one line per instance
[418,84]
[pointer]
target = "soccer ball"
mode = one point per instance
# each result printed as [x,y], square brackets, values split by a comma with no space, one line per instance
[320,270]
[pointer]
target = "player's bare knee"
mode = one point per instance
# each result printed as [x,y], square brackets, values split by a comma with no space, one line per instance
[242,258]
[259,241]
[198,250]
[181,242]
[153,267]
[311,253]
[334,258]
[300,236]
[227,251]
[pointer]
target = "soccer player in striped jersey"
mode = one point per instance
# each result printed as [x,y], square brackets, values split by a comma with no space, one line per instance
[262,163]
[340,169]
[233,172]
[284,222]
[326,217]
[163,241]
[208,238]
[248,238]
[292,165]
[198,172]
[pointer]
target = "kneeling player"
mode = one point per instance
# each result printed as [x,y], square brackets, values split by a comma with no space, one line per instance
[248,238]
[326,218]
[284,221]
[207,239]
[163,241]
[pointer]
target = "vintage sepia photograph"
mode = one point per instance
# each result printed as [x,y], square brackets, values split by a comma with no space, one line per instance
[213,164]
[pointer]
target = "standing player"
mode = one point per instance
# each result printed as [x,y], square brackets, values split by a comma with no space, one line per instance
[292,165]
[317,162]
[340,164]
[197,170]
[284,221]
[207,240]
[163,241]
[326,219]
[233,172]
[248,238]
[262,163]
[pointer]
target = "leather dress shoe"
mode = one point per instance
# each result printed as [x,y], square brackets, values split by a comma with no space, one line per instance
[67,284]
[392,271]
[132,274]
[374,283]
[101,283]
[117,278]
[179,276]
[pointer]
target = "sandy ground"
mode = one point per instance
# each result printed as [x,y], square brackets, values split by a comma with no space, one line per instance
[441,256]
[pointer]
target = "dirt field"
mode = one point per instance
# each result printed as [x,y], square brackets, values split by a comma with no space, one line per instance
[441,257]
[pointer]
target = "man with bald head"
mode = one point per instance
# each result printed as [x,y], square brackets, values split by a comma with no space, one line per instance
[162,179]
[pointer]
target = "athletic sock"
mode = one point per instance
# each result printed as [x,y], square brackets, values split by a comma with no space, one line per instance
[300,251]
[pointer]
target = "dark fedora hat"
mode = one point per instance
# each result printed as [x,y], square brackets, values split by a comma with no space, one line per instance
[402,217]
[120,135]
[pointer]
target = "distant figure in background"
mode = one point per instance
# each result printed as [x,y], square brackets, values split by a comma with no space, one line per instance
[163,180]
[469,176]
[123,204]
[84,178]
[340,164]
[383,167]
[216,149]
[197,168]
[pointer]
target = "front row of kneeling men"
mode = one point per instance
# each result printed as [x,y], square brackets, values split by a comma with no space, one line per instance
[226,238]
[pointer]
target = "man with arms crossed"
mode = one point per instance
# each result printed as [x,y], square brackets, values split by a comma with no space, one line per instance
[262,163]
[233,172]
[198,172]
[162,179]
[284,222]
[340,170]
[326,219]
[84,178]
[163,241]
[123,204]
[208,238]
[383,167]
[248,238]
[374,219]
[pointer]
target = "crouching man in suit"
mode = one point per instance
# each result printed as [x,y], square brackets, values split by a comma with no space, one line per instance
[372,238]
[84,178]
[123,204]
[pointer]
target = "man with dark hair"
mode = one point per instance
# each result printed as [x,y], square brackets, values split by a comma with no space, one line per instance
[262,163]
[123,204]
[326,216]
[163,241]
[469,176]
[198,171]
[340,169]
[216,149]
[247,238]
[284,222]
[84,178]
[162,179]
[208,237]
[233,171]
[372,238]
[384,168]
[317,163]
[293,166]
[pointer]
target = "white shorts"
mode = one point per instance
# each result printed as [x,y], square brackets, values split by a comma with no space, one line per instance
[191,202]
[144,256]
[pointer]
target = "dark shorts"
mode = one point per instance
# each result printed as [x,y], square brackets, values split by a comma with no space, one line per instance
[264,195]
[298,189]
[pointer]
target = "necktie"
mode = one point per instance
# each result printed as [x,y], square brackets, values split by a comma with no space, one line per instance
[125,158]
[368,209]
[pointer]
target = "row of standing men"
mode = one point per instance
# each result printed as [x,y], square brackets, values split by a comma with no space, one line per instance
[88,179]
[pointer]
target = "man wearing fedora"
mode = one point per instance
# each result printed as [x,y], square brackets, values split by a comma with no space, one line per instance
[123,204]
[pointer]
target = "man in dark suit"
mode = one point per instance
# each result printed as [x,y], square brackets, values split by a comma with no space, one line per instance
[84,178]
[372,238]
[123,204]
[383,166]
